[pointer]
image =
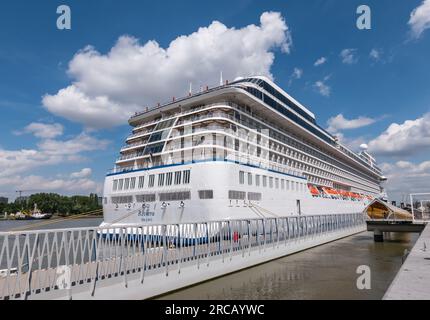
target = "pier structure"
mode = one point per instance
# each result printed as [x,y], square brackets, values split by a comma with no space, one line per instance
[413,279]
[140,262]
[384,217]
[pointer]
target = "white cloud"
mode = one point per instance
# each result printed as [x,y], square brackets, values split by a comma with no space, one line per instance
[405,177]
[43,130]
[375,54]
[108,88]
[84,173]
[320,61]
[42,184]
[322,87]
[297,73]
[420,19]
[408,138]
[49,152]
[348,56]
[81,143]
[339,123]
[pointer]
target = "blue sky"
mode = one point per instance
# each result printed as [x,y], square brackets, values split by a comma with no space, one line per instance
[370,79]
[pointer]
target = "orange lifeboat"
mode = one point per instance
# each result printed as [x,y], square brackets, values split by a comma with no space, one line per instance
[314,190]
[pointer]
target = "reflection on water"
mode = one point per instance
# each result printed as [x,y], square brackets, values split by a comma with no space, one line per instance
[324,272]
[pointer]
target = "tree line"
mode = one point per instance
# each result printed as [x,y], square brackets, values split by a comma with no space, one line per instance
[54,203]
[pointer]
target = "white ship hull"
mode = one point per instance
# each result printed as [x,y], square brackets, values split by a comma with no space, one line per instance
[221,177]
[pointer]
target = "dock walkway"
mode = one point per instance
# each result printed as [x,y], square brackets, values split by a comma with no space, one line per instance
[413,279]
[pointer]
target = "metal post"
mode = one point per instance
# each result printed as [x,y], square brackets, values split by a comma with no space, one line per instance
[179,248]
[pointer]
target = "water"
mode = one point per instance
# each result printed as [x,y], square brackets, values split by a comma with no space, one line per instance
[324,272]
[15,225]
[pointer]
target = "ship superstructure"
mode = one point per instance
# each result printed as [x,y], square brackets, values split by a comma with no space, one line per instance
[241,150]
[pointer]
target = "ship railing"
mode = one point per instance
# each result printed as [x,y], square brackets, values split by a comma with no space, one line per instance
[46,262]
[232,156]
[203,90]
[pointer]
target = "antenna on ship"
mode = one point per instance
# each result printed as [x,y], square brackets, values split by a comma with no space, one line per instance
[220,79]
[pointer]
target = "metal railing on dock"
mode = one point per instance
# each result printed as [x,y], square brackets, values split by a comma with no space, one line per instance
[35,263]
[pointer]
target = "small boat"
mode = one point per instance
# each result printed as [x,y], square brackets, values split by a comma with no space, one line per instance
[39,215]
[36,214]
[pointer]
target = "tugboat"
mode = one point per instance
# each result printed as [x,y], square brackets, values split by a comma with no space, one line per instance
[36,214]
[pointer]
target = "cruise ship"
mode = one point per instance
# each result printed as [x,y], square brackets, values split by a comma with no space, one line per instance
[241,150]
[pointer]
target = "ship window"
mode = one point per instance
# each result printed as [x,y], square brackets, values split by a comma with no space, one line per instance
[297,186]
[175,196]
[133,183]
[250,178]
[149,197]
[105,199]
[277,183]
[115,185]
[271,182]
[155,148]
[236,195]
[186,177]
[257,180]
[292,185]
[264,181]
[169,179]
[206,194]
[126,183]
[178,177]
[141,182]
[161,179]
[151,181]
[120,184]
[122,199]
[282,184]
[241,177]
[157,136]
[165,124]
[255,196]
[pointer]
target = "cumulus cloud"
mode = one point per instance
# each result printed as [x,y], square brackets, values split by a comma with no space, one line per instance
[420,19]
[43,130]
[320,61]
[408,138]
[339,123]
[322,87]
[405,177]
[108,88]
[84,173]
[348,56]
[48,152]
